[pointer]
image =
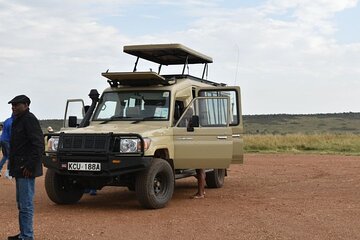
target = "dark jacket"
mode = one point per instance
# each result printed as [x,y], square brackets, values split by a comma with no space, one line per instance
[26,146]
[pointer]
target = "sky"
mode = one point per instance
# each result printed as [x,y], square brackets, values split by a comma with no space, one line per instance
[294,57]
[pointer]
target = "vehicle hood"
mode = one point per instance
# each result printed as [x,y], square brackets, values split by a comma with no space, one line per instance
[144,130]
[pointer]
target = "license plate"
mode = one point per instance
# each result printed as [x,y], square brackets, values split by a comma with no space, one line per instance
[83,166]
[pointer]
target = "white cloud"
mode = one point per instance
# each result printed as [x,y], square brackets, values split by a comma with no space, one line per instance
[284,54]
[50,57]
[288,65]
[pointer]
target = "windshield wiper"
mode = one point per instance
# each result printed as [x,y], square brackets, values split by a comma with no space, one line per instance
[146,118]
[115,117]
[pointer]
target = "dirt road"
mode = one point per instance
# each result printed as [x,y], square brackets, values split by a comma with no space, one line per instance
[269,197]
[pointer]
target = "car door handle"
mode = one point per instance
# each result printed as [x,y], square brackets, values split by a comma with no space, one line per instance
[185,138]
[236,135]
[221,137]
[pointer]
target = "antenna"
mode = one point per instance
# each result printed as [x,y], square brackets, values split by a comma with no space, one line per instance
[237,63]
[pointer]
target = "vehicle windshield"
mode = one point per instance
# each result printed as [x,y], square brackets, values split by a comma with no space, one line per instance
[135,105]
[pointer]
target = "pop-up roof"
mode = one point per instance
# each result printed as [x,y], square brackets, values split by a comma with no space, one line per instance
[167,54]
[163,54]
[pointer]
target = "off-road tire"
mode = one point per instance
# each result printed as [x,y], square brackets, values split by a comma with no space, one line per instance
[215,178]
[59,190]
[155,185]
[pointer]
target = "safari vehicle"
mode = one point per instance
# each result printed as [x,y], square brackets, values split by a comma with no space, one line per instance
[147,130]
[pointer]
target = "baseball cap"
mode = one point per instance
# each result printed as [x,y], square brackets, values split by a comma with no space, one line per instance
[20,99]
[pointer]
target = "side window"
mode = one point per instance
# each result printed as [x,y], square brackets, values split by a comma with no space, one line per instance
[212,112]
[186,117]
[234,108]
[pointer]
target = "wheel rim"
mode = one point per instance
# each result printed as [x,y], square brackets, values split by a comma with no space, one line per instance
[159,184]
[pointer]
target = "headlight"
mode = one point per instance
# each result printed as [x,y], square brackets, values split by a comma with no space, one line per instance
[53,143]
[128,145]
[133,145]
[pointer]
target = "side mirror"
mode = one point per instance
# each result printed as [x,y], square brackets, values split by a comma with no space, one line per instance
[194,122]
[72,121]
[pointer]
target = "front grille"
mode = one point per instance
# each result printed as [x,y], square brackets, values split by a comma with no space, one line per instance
[84,142]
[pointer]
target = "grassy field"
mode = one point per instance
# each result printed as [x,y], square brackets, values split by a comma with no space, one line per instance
[310,143]
[315,133]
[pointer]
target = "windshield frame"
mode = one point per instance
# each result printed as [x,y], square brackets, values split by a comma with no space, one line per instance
[132,119]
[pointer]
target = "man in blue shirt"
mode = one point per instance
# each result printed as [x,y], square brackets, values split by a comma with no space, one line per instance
[5,144]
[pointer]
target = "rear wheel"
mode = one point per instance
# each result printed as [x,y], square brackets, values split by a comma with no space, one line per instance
[155,185]
[60,190]
[215,178]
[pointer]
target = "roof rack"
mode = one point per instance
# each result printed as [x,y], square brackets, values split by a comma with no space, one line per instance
[136,79]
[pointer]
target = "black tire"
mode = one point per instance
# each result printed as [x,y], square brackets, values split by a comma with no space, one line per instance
[155,185]
[59,189]
[215,178]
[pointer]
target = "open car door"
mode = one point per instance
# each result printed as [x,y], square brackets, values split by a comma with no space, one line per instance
[74,112]
[235,115]
[202,137]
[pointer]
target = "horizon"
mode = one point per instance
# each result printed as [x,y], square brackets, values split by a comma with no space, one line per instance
[270,114]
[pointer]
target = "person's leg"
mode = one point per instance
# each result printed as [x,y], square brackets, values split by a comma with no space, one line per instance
[7,151]
[200,175]
[201,179]
[4,153]
[25,198]
[2,162]
[17,201]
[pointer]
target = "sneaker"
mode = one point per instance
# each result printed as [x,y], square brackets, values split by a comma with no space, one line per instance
[14,237]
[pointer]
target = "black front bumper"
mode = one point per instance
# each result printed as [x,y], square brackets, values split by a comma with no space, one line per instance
[110,165]
[103,149]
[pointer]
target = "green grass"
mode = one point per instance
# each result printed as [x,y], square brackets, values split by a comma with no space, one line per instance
[311,143]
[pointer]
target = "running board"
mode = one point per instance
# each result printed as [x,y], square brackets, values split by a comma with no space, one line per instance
[188,173]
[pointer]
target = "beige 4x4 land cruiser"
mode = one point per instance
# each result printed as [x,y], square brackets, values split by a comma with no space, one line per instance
[147,130]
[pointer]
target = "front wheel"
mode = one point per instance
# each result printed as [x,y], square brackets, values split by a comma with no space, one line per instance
[60,190]
[215,178]
[155,185]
